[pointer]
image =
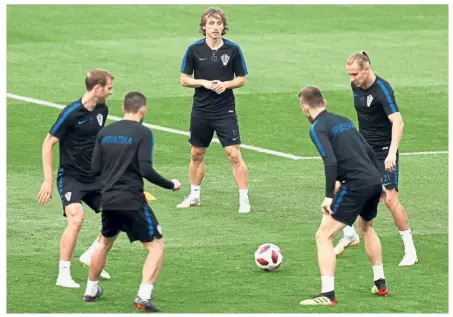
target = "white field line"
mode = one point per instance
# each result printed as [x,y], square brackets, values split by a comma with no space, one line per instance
[170,130]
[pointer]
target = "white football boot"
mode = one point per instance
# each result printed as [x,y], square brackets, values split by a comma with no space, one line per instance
[67,282]
[189,202]
[244,206]
[409,258]
[85,260]
[346,242]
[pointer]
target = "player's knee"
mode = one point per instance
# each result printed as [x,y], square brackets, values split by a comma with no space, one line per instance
[364,226]
[321,236]
[157,245]
[106,243]
[197,154]
[75,223]
[234,155]
[161,245]
[391,199]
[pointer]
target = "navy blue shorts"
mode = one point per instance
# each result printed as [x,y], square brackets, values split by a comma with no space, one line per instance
[202,131]
[139,225]
[389,179]
[73,191]
[349,203]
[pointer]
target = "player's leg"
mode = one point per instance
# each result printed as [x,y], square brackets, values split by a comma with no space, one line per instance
[153,262]
[327,231]
[196,170]
[228,133]
[346,205]
[401,221]
[93,199]
[158,267]
[201,133]
[374,251]
[70,195]
[372,242]
[399,214]
[87,255]
[151,270]
[93,290]
[99,257]
[111,226]
[240,175]
[143,226]
[350,236]
[68,241]
[373,246]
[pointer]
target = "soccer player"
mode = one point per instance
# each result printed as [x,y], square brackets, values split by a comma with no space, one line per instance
[123,155]
[218,67]
[75,130]
[349,159]
[381,124]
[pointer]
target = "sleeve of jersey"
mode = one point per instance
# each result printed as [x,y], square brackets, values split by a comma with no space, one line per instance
[240,68]
[145,159]
[187,66]
[388,98]
[96,160]
[322,142]
[64,121]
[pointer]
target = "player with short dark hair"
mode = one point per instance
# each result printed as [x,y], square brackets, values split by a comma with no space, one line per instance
[123,156]
[350,160]
[75,130]
[381,124]
[218,67]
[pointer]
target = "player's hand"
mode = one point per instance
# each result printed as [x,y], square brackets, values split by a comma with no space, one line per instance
[177,185]
[325,206]
[218,86]
[337,187]
[207,84]
[390,162]
[45,193]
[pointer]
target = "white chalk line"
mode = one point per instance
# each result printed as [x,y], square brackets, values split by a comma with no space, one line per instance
[174,131]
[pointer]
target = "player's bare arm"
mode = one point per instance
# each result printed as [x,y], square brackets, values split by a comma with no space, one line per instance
[397,134]
[219,86]
[47,187]
[190,82]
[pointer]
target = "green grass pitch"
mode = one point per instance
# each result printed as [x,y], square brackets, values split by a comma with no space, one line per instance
[209,264]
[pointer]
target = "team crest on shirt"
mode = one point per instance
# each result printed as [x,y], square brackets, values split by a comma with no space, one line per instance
[100,118]
[225,58]
[68,196]
[369,100]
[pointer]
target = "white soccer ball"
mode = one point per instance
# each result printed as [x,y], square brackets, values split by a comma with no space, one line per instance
[268,257]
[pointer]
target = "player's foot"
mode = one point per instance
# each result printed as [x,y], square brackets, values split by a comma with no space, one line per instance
[90,298]
[146,305]
[321,299]
[346,242]
[244,206]
[66,282]
[189,202]
[409,259]
[85,260]
[379,288]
